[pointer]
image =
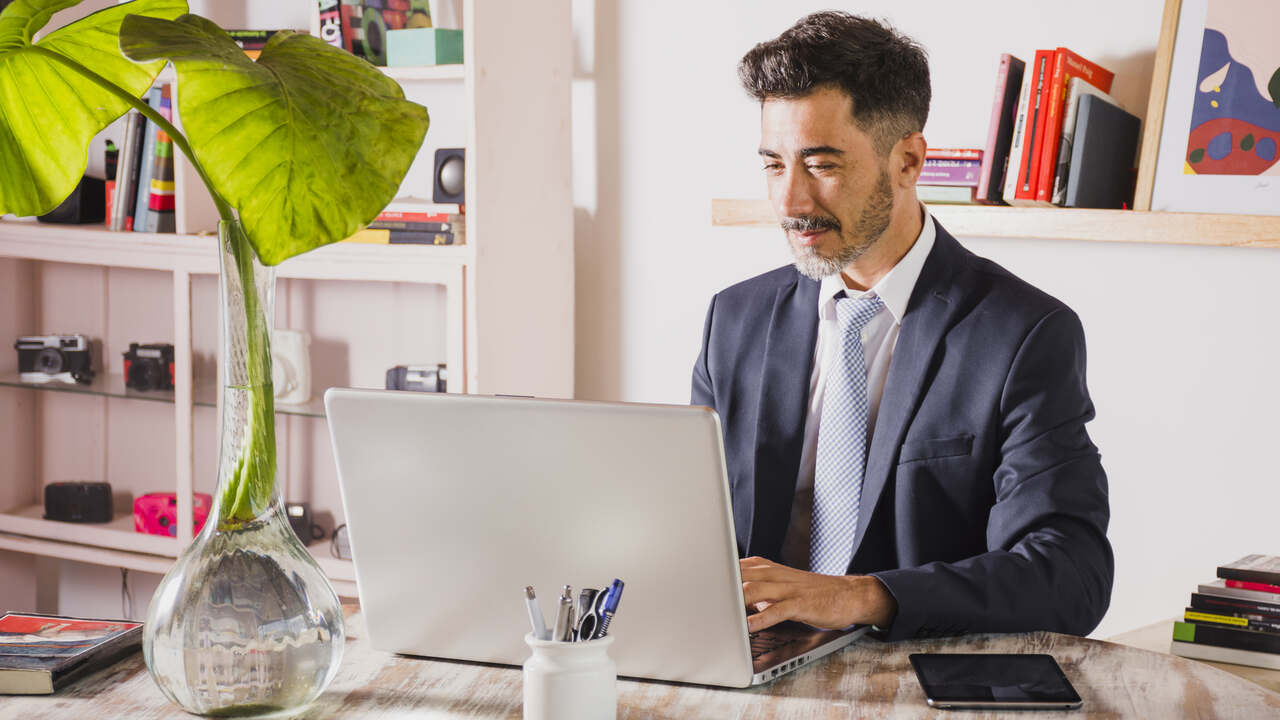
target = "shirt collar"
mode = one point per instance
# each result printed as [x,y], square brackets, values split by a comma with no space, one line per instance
[896,286]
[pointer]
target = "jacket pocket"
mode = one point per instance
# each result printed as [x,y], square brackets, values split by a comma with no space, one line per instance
[932,449]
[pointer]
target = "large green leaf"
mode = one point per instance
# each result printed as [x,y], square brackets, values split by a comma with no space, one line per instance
[309,143]
[48,112]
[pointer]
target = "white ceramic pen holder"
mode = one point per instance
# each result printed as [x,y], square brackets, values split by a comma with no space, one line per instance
[570,680]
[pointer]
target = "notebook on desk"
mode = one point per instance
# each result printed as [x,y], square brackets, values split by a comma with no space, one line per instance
[455,503]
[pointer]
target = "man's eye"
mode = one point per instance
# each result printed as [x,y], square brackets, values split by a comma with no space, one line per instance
[772,166]
[821,167]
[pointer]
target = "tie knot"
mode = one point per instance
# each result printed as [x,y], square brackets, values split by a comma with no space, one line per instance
[854,313]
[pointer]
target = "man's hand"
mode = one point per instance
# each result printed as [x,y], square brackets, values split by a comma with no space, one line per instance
[826,601]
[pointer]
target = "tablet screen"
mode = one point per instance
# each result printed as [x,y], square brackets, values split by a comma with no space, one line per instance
[993,679]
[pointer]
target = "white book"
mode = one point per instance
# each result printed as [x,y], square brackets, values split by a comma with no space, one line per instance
[1011,172]
[1219,588]
[1226,655]
[1061,174]
[125,189]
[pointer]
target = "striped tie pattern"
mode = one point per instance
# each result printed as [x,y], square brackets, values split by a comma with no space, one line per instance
[842,442]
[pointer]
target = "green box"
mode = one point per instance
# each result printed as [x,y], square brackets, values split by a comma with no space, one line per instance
[414,47]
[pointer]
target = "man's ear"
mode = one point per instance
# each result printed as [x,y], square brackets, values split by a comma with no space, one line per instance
[907,160]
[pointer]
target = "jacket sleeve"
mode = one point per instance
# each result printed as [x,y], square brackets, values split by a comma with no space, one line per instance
[1049,565]
[702,393]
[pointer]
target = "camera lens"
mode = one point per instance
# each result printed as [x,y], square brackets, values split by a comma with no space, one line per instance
[142,375]
[49,361]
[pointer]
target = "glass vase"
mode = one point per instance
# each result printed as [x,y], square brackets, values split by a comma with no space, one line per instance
[245,623]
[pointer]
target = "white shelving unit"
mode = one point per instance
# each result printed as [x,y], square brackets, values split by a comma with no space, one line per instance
[507,299]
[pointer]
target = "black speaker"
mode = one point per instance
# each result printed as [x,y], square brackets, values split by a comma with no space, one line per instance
[450,176]
[86,204]
[82,502]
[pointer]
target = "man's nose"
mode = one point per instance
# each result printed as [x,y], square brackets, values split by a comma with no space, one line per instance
[793,196]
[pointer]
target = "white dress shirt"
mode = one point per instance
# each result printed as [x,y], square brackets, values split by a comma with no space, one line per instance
[878,341]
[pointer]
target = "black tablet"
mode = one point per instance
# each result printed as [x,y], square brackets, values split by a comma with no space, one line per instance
[1024,682]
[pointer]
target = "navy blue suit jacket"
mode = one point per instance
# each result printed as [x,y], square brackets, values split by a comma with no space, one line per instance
[984,505]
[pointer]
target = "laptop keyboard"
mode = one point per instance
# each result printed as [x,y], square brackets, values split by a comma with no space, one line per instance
[764,642]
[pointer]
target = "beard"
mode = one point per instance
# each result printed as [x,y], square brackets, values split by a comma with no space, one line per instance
[866,231]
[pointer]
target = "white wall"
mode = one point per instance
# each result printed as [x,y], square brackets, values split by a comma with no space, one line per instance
[1181,340]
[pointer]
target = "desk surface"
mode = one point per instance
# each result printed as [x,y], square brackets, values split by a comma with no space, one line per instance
[868,679]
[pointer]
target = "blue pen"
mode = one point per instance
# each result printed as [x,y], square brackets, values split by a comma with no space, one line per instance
[609,607]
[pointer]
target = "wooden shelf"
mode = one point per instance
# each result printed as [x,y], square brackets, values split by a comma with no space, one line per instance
[118,534]
[425,73]
[197,254]
[1059,224]
[117,544]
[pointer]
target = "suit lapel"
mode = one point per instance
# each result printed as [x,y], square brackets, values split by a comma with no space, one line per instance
[784,402]
[930,313]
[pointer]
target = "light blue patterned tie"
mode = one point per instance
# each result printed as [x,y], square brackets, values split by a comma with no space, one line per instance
[842,442]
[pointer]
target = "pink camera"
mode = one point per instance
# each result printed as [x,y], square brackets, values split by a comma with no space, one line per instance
[157,513]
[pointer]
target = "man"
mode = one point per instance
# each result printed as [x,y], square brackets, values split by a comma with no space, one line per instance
[903,420]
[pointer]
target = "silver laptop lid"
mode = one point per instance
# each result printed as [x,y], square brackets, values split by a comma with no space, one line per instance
[455,503]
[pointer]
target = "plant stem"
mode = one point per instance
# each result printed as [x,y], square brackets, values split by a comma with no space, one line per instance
[252,485]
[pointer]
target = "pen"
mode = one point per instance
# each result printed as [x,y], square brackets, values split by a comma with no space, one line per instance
[563,616]
[535,614]
[610,607]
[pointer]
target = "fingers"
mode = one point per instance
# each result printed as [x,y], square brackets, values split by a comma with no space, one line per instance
[756,592]
[770,616]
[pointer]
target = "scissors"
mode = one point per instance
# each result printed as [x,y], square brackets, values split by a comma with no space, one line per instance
[594,622]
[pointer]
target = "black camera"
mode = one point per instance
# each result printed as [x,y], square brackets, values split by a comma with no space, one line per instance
[419,378]
[47,358]
[83,502]
[149,367]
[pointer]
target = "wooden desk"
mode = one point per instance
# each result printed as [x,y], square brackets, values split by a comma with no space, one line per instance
[868,679]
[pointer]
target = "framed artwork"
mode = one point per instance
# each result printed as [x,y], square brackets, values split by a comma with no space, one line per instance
[1212,141]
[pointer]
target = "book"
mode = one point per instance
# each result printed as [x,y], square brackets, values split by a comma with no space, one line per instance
[1004,111]
[370,237]
[1078,88]
[1219,588]
[1066,66]
[1193,615]
[1237,638]
[160,215]
[1226,655]
[950,172]
[1019,136]
[41,653]
[1103,153]
[419,205]
[953,154]
[126,172]
[411,225]
[945,195]
[1246,585]
[1253,568]
[1024,188]
[146,163]
[331,22]
[414,237]
[1236,606]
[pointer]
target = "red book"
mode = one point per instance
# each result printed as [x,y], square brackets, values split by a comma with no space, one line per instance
[423,217]
[1246,585]
[1066,65]
[1029,158]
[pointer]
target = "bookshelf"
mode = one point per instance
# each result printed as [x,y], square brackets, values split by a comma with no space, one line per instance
[1256,231]
[472,306]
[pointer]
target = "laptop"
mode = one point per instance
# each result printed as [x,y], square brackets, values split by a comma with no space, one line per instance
[454,503]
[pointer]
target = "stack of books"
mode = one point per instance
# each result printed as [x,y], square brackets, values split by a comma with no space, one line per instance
[1034,119]
[950,175]
[413,221]
[1235,619]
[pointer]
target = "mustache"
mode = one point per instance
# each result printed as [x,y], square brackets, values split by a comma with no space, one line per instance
[810,223]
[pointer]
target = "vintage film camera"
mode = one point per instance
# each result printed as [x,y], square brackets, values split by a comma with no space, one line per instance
[419,378]
[54,358]
[149,367]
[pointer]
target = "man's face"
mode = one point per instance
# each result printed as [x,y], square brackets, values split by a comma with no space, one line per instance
[830,188]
